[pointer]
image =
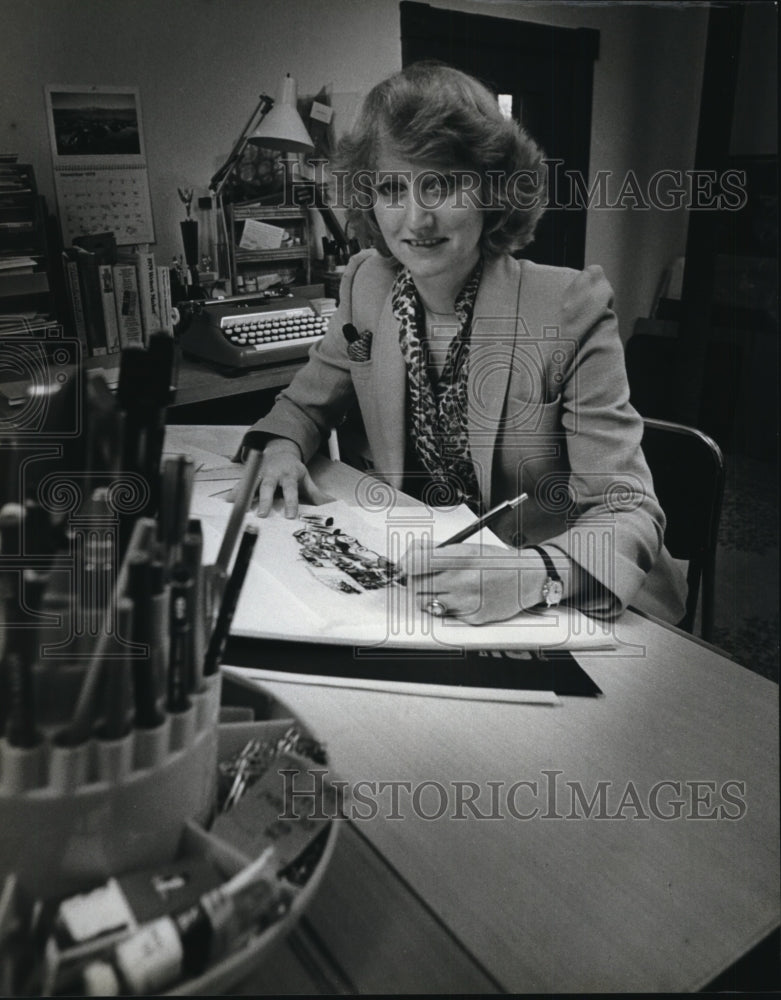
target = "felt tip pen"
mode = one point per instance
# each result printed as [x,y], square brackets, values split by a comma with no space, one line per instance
[175,495]
[484,521]
[230,599]
[146,692]
[159,601]
[179,665]
[119,680]
[241,504]
[192,560]
[18,664]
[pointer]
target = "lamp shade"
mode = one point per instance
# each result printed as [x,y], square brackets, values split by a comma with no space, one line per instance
[282,127]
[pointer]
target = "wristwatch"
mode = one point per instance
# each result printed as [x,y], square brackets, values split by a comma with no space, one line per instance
[553,588]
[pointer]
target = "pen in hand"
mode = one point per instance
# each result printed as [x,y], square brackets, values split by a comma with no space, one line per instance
[483,522]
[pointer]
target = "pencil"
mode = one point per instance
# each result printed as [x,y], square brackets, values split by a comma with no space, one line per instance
[229,600]
[483,522]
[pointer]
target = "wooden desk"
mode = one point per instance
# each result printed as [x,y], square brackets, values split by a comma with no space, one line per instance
[550,903]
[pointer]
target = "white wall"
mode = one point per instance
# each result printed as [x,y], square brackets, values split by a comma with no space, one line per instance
[200,65]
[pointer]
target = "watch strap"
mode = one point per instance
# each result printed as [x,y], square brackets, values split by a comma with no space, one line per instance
[553,588]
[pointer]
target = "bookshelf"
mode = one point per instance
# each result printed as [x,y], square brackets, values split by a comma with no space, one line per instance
[25,286]
[250,261]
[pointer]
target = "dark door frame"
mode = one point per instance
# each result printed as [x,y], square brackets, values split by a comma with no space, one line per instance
[557,65]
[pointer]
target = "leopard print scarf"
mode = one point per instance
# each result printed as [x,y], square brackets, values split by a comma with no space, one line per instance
[437,414]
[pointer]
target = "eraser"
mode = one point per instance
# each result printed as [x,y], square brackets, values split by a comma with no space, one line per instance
[92,914]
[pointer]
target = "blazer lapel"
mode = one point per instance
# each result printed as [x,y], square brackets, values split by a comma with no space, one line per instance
[493,336]
[389,382]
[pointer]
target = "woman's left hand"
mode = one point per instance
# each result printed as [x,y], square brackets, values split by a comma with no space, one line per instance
[474,583]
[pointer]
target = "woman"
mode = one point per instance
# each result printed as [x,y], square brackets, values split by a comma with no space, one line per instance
[478,376]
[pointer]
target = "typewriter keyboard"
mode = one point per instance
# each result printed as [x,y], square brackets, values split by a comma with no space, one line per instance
[262,329]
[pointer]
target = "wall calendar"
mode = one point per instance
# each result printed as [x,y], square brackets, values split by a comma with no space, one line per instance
[100,173]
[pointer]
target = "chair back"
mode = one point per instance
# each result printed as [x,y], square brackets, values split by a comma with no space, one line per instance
[688,473]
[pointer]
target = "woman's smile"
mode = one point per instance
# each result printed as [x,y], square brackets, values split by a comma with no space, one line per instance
[427,244]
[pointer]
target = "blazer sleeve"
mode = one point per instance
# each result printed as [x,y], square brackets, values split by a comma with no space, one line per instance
[321,392]
[616,525]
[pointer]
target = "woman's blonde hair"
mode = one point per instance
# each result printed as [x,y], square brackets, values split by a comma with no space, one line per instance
[434,114]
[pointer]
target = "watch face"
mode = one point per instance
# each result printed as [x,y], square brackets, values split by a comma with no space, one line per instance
[552,591]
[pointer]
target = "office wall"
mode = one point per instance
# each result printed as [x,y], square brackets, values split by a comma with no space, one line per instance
[200,65]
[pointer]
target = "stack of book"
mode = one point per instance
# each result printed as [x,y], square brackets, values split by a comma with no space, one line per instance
[117,299]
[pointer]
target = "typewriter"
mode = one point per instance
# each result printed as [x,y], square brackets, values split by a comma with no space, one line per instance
[239,333]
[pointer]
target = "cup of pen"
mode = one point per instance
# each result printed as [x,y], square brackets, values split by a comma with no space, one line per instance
[64,796]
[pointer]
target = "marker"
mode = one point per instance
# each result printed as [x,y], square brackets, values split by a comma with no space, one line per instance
[240,507]
[159,601]
[175,495]
[82,721]
[119,680]
[145,684]
[18,664]
[484,521]
[179,659]
[192,556]
[229,601]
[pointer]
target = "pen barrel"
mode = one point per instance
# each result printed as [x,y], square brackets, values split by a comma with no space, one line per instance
[230,600]
[119,679]
[192,555]
[240,507]
[180,661]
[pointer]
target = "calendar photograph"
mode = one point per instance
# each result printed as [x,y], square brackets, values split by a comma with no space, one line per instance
[96,124]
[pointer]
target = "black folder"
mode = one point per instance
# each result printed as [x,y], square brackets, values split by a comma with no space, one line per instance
[508,669]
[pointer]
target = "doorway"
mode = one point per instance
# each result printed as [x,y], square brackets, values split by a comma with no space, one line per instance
[544,76]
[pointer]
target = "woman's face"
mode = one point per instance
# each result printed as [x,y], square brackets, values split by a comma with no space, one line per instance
[429,219]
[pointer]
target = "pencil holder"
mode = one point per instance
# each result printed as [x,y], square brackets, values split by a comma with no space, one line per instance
[73,813]
[61,808]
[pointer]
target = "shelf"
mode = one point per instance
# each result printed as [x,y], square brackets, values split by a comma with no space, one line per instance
[251,210]
[262,256]
[295,219]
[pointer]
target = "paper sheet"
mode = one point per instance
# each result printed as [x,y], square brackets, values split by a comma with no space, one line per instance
[414,688]
[287,595]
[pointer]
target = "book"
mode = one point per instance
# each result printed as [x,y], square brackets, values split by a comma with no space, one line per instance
[146,272]
[102,244]
[106,273]
[166,303]
[92,301]
[127,306]
[74,297]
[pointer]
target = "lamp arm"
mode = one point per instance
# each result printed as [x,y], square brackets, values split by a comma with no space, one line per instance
[262,108]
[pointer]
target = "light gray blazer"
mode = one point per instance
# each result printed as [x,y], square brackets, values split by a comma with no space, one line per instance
[548,413]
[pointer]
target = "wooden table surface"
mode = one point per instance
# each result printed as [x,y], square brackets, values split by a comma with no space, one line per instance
[617,894]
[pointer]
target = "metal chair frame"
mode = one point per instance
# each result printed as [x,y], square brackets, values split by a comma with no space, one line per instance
[687,467]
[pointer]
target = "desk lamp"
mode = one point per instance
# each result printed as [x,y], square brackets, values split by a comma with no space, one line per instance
[273,126]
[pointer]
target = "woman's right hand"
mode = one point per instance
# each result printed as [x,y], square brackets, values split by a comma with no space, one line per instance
[282,468]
